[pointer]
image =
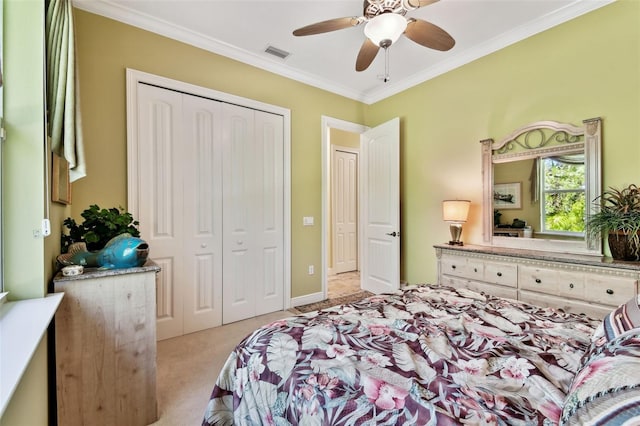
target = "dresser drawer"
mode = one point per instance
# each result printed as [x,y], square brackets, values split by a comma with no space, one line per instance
[493,290]
[567,305]
[608,290]
[480,287]
[460,267]
[501,273]
[552,281]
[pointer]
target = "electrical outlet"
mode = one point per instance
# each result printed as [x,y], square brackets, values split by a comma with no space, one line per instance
[311,271]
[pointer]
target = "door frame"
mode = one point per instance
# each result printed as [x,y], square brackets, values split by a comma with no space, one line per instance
[327,124]
[134,77]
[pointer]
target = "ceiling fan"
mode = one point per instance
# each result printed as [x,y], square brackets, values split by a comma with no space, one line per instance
[385,23]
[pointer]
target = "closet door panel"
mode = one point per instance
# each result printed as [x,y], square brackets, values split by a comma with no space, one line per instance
[202,195]
[210,200]
[160,197]
[269,216]
[240,202]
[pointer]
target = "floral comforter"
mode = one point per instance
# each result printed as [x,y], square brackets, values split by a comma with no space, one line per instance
[429,355]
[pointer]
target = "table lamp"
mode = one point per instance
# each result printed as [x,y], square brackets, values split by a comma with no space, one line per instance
[455,212]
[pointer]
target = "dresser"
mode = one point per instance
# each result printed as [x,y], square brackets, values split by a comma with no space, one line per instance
[105,347]
[575,283]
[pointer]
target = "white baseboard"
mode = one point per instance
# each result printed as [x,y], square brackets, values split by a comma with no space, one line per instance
[306,299]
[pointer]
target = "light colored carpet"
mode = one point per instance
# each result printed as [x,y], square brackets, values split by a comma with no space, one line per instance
[188,365]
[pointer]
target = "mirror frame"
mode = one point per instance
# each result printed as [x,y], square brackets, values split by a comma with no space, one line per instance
[570,139]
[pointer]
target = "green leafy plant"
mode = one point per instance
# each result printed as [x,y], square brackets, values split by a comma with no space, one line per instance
[619,218]
[99,226]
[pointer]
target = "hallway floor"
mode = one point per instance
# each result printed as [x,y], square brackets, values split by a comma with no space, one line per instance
[343,284]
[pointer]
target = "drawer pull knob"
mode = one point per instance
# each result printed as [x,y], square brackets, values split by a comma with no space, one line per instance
[609,291]
[538,280]
[453,266]
[475,269]
[499,274]
[571,285]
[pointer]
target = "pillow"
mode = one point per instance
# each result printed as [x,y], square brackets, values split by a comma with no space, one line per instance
[606,390]
[624,318]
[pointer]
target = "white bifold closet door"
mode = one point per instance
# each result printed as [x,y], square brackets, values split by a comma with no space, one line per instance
[211,208]
[252,172]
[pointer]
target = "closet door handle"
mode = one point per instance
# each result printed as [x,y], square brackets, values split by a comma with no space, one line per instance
[393,234]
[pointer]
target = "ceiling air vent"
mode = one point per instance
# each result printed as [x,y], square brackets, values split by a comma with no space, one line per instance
[277,52]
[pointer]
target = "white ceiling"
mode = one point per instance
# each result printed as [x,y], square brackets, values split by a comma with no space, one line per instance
[243,29]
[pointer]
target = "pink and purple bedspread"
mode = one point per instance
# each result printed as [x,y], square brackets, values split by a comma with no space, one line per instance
[429,355]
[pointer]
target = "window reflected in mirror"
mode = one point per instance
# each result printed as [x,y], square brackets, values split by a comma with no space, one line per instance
[562,183]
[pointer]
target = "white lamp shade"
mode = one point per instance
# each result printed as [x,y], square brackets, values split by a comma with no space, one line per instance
[455,210]
[388,26]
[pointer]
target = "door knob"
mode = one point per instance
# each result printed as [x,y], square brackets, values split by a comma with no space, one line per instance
[393,234]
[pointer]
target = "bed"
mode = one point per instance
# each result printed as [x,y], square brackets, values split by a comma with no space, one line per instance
[434,355]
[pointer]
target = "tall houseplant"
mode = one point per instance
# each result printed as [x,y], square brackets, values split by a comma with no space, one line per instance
[99,226]
[619,220]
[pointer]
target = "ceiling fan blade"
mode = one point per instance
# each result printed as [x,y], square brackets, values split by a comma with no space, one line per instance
[414,4]
[429,35]
[327,26]
[367,54]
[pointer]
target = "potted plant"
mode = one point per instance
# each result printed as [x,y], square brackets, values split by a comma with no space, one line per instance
[619,220]
[99,226]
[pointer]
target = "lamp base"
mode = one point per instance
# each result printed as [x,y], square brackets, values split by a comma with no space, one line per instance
[456,232]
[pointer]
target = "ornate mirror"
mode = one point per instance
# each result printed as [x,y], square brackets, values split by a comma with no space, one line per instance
[539,184]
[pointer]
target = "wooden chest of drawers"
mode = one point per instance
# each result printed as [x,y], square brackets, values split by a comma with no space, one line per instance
[576,284]
[105,348]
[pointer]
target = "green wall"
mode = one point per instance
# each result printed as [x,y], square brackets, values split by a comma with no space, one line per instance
[587,67]
[23,150]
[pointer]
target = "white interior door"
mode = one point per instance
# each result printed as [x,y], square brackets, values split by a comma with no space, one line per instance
[345,211]
[269,216]
[185,183]
[253,213]
[160,199]
[202,205]
[380,160]
[180,209]
[238,167]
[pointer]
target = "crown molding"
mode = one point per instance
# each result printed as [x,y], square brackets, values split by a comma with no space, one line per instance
[141,20]
[137,19]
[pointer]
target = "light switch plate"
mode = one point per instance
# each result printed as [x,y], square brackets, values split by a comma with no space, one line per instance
[307,221]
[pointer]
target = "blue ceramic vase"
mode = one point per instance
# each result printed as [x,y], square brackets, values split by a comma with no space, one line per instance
[122,251]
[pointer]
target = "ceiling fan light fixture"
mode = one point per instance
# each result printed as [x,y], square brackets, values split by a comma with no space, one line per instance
[386,27]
